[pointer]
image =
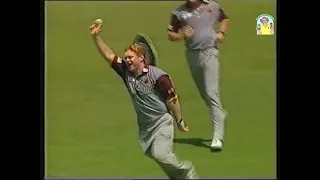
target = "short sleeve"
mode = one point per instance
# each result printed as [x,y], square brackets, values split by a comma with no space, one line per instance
[119,66]
[175,24]
[166,88]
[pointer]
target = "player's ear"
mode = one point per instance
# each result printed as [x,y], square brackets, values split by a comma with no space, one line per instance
[141,58]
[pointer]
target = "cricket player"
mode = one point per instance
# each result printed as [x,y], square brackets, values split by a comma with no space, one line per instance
[155,102]
[193,22]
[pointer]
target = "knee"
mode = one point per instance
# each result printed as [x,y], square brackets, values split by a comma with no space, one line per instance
[161,157]
[213,99]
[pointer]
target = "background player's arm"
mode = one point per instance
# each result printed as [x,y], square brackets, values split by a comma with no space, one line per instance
[168,92]
[104,50]
[173,29]
[223,20]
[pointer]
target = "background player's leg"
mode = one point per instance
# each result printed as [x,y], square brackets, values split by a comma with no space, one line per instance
[161,150]
[204,67]
[196,72]
[211,72]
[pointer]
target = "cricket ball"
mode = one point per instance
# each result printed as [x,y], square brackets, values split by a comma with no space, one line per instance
[98,21]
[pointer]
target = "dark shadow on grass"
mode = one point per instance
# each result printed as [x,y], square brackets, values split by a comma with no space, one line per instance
[199,142]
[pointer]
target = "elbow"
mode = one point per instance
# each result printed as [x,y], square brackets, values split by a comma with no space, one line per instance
[225,20]
[170,38]
[170,105]
[172,100]
[110,57]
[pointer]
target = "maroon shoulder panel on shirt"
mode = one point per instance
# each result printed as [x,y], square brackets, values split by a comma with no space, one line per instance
[223,15]
[165,86]
[119,67]
[175,23]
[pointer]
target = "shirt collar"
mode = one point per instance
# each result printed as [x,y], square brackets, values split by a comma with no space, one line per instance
[145,69]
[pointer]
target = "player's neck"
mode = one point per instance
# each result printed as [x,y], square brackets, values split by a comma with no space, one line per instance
[140,69]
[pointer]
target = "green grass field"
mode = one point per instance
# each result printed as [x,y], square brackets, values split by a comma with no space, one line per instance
[88,135]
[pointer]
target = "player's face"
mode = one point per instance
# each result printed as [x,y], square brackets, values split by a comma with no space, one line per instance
[264,21]
[134,62]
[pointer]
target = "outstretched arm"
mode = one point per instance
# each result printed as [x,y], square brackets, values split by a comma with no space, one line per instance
[104,50]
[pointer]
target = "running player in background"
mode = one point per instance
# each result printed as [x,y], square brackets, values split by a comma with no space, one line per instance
[193,23]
